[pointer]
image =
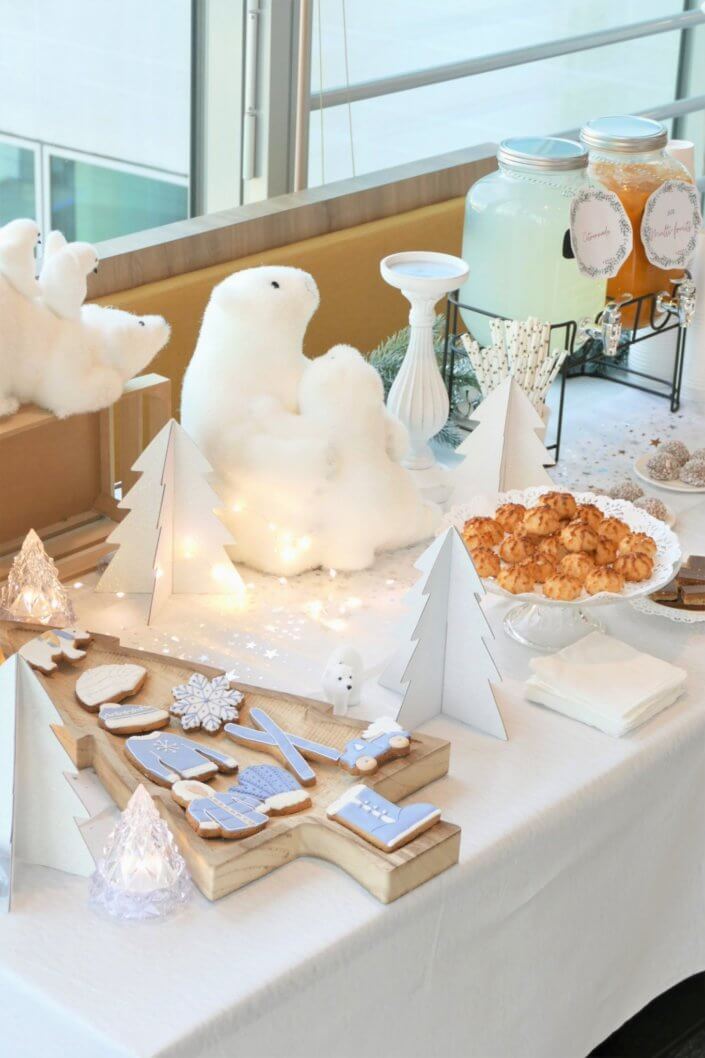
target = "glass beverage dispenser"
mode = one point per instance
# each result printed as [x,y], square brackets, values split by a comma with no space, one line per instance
[516,239]
[627,156]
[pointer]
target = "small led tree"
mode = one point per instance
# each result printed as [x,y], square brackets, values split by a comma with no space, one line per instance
[141,873]
[33,591]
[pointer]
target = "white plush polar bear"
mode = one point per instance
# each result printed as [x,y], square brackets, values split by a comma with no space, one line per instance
[371,503]
[305,485]
[240,392]
[70,366]
[240,405]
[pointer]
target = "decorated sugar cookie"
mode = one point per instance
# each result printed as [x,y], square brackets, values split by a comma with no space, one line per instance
[131,719]
[108,683]
[165,758]
[379,821]
[278,792]
[212,813]
[290,749]
[382,740]
[46,650]
[205,703]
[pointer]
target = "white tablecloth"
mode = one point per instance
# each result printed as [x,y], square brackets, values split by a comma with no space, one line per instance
[580,896]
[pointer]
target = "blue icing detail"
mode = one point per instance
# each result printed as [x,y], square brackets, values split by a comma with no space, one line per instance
[266,780]
[166,757]
[379,821]
[232,812]
[377,748]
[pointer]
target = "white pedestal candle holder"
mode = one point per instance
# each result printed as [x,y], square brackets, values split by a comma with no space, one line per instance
[418,396]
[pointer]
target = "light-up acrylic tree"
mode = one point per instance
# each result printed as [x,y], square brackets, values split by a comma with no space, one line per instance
[172,541]
[33,591]
[141,873]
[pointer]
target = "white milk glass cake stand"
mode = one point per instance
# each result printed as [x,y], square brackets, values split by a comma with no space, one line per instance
[551,624]
[418,396]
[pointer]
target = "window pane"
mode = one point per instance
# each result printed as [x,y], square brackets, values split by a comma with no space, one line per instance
[553,95]
[93,202]
[17,176]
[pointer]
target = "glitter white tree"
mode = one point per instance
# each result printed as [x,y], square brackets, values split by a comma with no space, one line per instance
[444,664]
[172,541]
[33,591]
[141,873]
[40,808]
[503,452]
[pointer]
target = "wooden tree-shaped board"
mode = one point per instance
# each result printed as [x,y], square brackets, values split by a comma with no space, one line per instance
[219,867]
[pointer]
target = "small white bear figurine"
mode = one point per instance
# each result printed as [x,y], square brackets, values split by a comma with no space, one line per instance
[342,679]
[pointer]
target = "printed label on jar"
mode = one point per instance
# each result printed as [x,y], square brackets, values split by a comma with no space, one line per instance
[670,224]
[600,233]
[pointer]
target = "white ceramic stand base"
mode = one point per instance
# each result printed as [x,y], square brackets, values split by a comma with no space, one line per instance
[548,628]
[418,396]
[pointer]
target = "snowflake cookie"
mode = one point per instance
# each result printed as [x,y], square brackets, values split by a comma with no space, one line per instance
[205,703]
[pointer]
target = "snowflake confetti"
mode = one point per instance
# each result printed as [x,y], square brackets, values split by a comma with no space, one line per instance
[205,703]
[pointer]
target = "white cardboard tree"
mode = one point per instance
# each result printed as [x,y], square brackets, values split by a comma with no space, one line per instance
[172,541]
[447,666]
[39,811]
[503,452]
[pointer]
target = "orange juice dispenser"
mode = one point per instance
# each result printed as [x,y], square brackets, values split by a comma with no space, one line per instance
[627,156]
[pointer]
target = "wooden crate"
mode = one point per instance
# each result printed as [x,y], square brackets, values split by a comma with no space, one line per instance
[62,477]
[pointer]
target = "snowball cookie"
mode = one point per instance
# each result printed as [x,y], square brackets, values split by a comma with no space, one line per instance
[676,449]
[516,579]
[563,588]
[541,521]
[605,553]
[577,536]
[663,466]
[514,549]
[637,542]
[625,490]
[510,515]
[485,561]
[543,569]
[589,513]
[486,527]
[693,473]
[635,567]
[562,502]
[605,579]
[653,506]
[551,548]
[698,454]
[577,566]
[479,536]
[612,529]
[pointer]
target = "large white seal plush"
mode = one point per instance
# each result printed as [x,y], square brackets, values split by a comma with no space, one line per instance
[307,455]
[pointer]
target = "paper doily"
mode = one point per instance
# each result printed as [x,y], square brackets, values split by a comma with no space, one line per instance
[666,561]
[655,609]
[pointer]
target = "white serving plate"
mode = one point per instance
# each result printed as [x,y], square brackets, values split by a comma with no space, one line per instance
[673,484]
[668,552]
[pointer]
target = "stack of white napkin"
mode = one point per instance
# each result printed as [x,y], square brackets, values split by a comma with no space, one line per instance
[605,683]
